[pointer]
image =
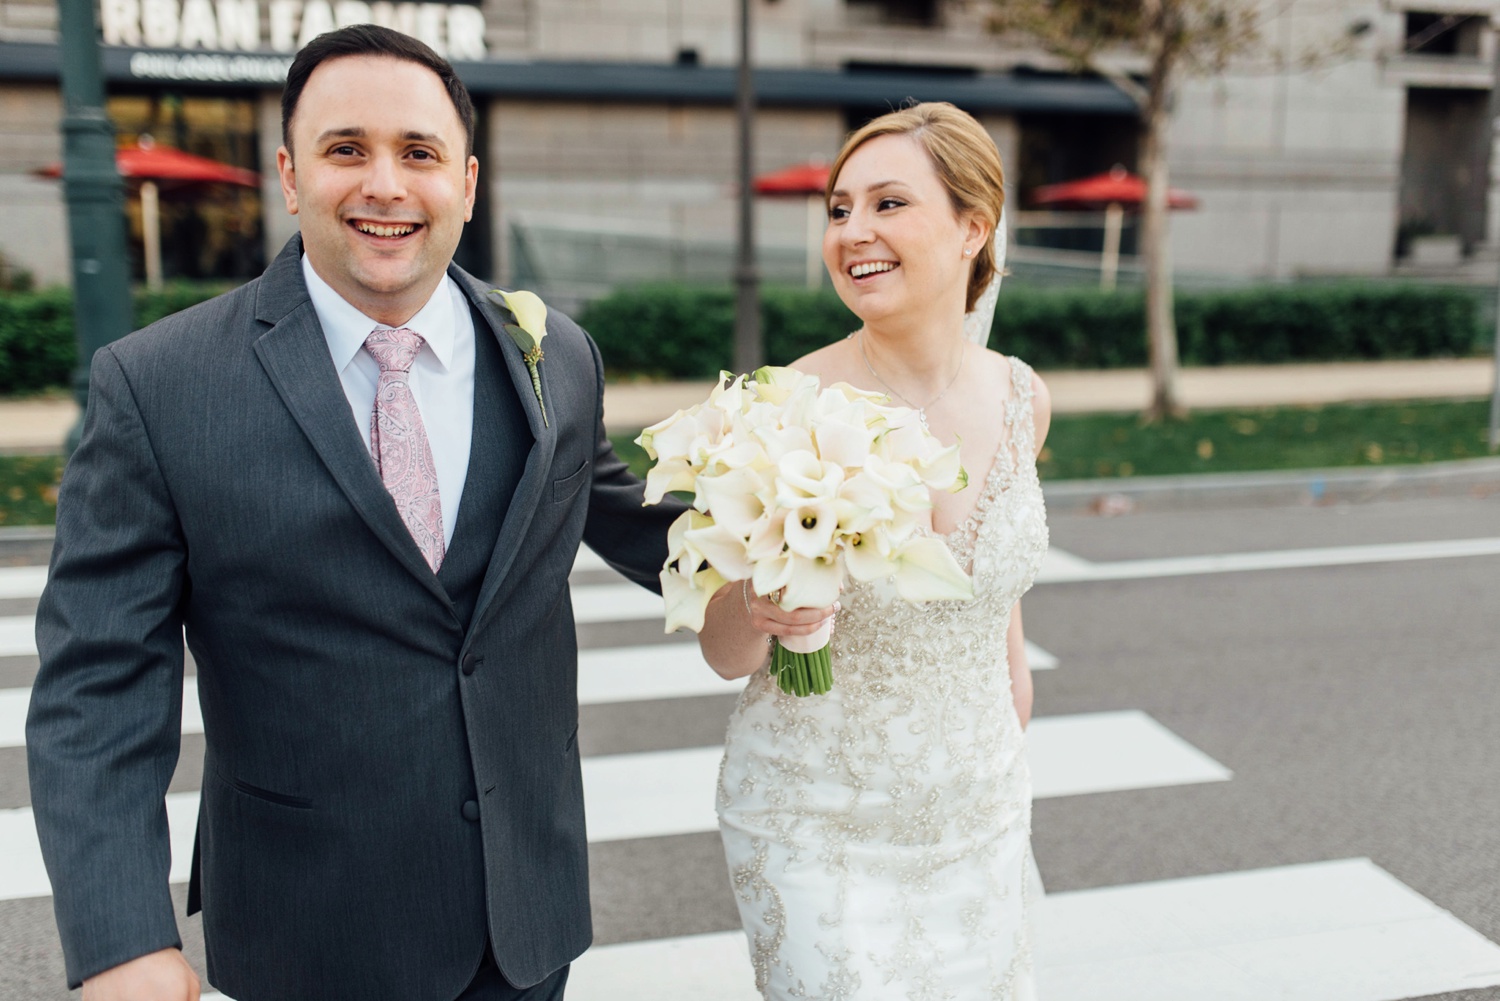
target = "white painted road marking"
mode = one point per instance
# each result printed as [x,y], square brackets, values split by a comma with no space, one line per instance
[13,703]
[1073,569]
[676,671]
[659,793]
[1328,931]
[1110,752]
[619,674]
[24,875]
[638,673]
[1058,567]
[22,582]
[17,635]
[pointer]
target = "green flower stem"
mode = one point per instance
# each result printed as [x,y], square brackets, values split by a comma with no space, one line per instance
[802,674]
[532,358]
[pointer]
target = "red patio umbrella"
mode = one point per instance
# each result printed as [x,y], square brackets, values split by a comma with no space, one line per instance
[1113,191]
[807,180]
[1117,186]
[149,164]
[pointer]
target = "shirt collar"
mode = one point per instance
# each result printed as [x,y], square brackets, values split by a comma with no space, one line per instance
[345,327]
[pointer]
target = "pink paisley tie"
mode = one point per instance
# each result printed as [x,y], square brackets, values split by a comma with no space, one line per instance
[398,441]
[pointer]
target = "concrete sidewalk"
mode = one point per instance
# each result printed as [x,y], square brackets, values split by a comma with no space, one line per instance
[635,405]
[39,425]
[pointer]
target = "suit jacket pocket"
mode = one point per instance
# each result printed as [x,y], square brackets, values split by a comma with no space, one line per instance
[564,488]
[269,795]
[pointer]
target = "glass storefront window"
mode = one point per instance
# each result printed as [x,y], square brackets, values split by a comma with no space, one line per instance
[208,231]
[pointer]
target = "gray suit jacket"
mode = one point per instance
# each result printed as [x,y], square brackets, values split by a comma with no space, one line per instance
[352,722]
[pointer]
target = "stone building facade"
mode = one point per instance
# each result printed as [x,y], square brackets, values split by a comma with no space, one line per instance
[607,139]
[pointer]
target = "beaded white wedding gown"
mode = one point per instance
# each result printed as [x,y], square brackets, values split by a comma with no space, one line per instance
[879,837]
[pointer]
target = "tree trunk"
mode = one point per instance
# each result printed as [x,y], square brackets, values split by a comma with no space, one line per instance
[1161,324]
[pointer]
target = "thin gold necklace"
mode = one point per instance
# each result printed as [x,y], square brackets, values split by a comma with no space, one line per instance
[922,408]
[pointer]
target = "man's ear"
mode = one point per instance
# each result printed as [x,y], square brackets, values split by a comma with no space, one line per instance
[471,186]
[287,174]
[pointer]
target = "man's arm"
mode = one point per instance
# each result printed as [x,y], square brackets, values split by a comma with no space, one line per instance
[103,731]
[632,538]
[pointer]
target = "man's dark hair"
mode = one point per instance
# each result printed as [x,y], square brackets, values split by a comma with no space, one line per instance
[371,40]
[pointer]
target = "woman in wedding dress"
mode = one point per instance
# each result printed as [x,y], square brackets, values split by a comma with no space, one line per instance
[878,837]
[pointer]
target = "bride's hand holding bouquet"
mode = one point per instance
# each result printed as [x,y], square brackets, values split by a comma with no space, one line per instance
[796,488]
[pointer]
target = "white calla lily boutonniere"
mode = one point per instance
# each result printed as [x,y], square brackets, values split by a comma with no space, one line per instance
[530,314]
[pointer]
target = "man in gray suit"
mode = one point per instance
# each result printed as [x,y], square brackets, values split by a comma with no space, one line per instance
[339,482]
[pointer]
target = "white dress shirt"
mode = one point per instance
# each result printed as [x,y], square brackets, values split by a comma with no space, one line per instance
[442,377]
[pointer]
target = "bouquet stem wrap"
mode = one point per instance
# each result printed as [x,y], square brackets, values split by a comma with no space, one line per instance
[802,665]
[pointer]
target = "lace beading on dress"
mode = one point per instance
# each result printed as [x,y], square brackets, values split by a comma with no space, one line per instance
[878,837]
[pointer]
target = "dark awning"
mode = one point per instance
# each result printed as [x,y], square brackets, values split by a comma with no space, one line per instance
[624,82]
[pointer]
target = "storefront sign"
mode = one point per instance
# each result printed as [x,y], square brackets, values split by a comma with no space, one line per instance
[235,26]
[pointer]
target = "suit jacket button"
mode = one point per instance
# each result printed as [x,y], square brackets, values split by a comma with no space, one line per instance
[471,810]
[469,663]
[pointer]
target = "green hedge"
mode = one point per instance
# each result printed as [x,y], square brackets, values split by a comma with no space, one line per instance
[38,348]
[685,333]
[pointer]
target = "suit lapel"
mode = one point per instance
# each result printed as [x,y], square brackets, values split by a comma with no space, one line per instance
[531,492]
[295,357]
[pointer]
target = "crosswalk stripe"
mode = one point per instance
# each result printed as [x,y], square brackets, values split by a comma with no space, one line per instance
[659,793]
[24,875]
[13,703]
[1058,567]
[22,582]
[621,674]
[1326,931]
[1083,753]
[17,635]
[1072,569]
[636,674]
[616,603]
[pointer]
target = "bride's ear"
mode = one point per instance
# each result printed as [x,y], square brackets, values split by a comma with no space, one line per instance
[977,233]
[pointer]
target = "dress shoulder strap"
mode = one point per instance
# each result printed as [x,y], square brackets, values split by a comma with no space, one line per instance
[1019,413]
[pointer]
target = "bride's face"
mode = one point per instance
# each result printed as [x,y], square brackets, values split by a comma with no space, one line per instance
[894,245]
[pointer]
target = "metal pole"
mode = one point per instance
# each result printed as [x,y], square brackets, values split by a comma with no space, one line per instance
[748,353]
[1494,237]
[1495,393]
[95,199]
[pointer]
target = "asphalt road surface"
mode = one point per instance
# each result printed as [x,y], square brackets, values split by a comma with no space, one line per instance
[1267,765]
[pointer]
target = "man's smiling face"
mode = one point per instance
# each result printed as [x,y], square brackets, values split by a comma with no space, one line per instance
[380,179]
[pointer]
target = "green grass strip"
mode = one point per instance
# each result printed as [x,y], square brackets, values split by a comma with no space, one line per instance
[1086,446]
[28,489]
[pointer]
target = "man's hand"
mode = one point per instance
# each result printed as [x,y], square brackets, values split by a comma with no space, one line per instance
[157,976]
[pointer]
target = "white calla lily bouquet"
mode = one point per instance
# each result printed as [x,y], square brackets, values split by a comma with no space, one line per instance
[795,489]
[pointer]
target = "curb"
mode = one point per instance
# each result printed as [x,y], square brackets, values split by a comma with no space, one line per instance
[1201,491]
[1198,491]
[26,533]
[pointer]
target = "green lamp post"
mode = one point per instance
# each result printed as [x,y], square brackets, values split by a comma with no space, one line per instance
[95,199]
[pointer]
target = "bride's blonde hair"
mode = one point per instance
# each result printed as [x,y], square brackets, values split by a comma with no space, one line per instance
[966,161]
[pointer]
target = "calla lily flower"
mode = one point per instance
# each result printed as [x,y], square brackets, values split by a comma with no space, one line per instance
[687,597]
[723,549]
[735,498]
[666,476]
[809,529]
[813,583]
[530,313]
[927,571]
